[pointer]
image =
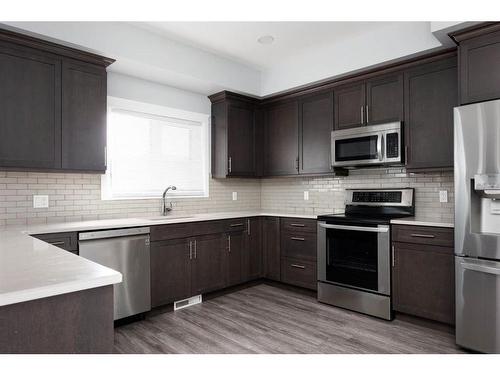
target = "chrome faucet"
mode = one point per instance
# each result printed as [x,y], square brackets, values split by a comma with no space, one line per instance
[166,209]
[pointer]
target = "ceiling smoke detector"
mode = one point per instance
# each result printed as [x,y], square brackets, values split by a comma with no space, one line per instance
[266,39]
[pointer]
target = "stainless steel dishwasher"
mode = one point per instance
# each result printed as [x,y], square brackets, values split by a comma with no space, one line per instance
[126,251]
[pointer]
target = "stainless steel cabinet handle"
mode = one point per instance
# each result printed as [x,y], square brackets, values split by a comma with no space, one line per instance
[297,163]
[297,225]
[229,162]
[393,257]
[190,250]
[298,238]
[195,249]
[57,243]
[367,118]
[423,235]
[236,225]
[406,154]
[248,227]
[229,242]
[362,115]
[355,228]
[297,266]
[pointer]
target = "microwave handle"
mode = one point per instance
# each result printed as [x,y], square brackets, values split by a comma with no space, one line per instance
[354,227]
[380,147]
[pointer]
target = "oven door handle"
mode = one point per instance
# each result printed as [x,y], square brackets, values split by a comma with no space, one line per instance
[355,228]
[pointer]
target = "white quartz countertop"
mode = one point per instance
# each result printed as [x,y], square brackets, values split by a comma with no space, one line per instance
[423,221]
[32,269]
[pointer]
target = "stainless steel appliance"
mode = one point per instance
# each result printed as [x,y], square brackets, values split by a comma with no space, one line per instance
[367,145]
[126,251]
[477,226]
[354,252]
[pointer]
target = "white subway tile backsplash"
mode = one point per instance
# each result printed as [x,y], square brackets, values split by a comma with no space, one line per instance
[77,197]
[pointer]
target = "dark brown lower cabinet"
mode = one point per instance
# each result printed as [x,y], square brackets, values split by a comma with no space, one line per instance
[170,271]
[207,267]
[252,267]
[271,248]
[424,281]
[67,241]
[234,248]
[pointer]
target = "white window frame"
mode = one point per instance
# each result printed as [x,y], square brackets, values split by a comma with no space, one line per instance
[157,110]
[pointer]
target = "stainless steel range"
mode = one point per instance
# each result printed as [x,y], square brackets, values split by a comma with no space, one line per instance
[354,252]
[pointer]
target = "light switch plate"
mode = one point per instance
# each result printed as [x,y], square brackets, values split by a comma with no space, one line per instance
[443,196]
[40,201]
[235,195]
[306,195]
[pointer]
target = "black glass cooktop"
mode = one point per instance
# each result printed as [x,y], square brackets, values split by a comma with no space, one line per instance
[361,219]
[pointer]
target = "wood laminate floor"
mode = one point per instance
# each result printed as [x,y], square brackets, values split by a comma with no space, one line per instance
[267,319]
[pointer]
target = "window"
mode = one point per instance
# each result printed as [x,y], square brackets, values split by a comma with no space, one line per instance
[151,147]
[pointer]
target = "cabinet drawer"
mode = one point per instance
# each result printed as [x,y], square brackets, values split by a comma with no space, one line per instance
[423,235]
[299,245]
[298,272]
[298,225]
[235,225]
[67,241]
[184,230]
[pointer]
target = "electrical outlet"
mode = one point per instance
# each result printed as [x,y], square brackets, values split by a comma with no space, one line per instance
[235,195]
[443,196]
[306,195]
[40,201]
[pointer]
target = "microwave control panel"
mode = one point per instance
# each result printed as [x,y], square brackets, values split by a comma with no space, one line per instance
[392,145]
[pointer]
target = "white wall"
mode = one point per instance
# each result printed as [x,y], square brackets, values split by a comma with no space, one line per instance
[132,88]
[397,40]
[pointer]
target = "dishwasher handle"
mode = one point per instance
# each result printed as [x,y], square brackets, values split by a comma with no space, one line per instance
[112,233]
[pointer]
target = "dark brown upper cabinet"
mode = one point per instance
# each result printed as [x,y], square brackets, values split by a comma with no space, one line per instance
[431,92]
[281,139]
[369,102]
[83,117]
[52,106]
[384,99]
[30,108]
[234,136]
[349,106]
[479,53]
[315,127]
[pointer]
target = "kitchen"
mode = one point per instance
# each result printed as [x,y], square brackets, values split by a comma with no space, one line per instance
[151,205]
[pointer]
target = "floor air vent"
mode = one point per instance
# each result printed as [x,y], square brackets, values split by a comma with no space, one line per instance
[187,302]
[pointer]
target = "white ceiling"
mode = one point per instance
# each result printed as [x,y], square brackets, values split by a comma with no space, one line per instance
[238,40]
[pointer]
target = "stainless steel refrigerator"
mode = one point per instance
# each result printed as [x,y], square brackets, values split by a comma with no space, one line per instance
[477,226]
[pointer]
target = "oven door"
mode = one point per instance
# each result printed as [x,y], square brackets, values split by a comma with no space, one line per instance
[355,256]
[357,150]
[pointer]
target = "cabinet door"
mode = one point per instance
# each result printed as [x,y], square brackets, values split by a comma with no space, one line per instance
[430,95]
[240,139]
[479,68]
[252,254]
[384,99]
[234,257]
[424,281]
[281,135]
[83,117]
[170,271]
[316,125]
[207,272]
[30,108]
[349,106]
[271,247]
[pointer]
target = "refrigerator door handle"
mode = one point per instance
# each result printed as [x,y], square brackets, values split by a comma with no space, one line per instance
[481,268]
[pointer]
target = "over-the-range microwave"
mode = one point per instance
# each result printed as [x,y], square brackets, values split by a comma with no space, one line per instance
[368,145]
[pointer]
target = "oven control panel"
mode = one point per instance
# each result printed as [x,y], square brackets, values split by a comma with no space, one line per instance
[380,197]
